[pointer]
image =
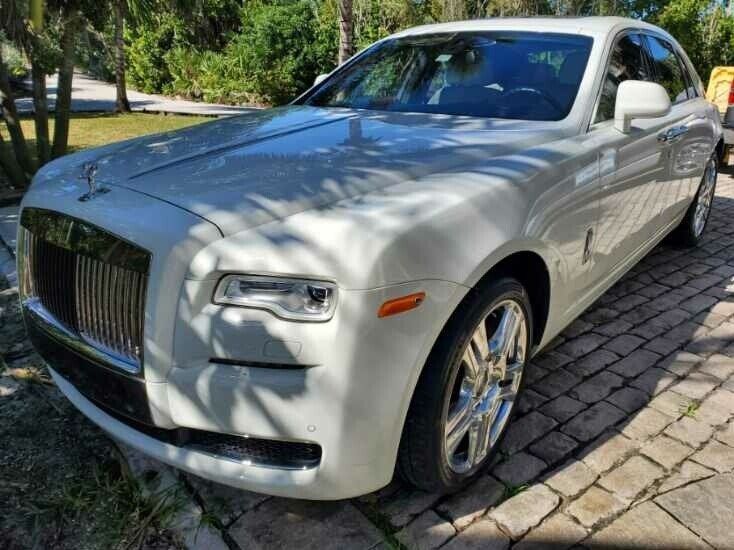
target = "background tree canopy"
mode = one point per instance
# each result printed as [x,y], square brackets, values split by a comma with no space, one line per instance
[268,51]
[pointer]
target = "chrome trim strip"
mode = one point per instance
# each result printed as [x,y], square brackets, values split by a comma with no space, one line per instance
[46,321]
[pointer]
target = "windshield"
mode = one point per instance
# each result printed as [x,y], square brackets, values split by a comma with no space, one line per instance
[499,74]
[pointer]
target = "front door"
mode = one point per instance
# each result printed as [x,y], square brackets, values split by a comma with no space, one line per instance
[633,179]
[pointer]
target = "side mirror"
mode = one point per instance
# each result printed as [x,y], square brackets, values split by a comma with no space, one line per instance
[639,99]
[319,79]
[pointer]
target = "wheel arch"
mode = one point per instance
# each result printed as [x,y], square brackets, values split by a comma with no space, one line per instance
[720,149]
[530,269]
[525,265]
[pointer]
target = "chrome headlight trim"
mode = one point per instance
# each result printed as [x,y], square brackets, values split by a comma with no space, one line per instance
[289,298]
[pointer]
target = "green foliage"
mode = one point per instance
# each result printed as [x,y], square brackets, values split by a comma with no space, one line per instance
[704,30]
[147,48]
[93,53]
[375,19]
[269,51]
[280,48]
[14,59]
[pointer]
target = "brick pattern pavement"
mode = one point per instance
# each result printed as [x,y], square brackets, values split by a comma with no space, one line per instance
[625,435]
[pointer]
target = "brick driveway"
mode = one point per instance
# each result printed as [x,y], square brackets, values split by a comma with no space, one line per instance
[625,437]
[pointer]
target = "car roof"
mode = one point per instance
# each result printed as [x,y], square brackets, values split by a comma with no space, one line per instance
[574,25]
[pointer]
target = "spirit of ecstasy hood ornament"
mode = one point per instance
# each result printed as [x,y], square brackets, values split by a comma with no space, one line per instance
[89,172]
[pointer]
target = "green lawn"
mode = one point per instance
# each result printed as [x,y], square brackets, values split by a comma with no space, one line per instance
[90,130]
[94,129]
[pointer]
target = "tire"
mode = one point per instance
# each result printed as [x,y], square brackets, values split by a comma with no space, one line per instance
[692,227]
[431,456]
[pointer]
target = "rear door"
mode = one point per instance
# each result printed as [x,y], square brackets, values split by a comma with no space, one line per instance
[686,140]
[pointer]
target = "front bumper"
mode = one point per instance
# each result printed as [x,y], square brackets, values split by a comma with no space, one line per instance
[343,385]
[279,482]
[351,405]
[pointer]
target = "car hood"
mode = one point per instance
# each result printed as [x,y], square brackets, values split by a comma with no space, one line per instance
[248,170]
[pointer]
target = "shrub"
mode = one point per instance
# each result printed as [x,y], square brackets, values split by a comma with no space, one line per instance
[146,52]
[14,60]
[277,54]
[282,48]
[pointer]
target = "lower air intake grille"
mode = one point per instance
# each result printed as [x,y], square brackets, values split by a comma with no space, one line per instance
[258,451]
[250,450]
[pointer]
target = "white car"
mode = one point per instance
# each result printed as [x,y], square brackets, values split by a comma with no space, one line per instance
[296,301]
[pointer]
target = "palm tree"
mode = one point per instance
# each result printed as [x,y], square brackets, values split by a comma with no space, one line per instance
[120,11]
[32,39]
[346,30]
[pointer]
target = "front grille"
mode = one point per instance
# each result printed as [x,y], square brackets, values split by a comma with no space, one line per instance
[90,281]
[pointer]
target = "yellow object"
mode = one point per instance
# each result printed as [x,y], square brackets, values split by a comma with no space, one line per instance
[720,87]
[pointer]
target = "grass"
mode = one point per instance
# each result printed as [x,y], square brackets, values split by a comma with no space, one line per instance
[689,409]
[63,484]
[93,129]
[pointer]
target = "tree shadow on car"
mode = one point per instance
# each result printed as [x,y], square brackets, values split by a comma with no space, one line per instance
[612,410]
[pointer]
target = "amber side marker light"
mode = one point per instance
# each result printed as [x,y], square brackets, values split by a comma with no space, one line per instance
[402,304]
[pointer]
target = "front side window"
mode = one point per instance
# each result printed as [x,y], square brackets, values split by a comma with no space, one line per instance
[668,70]
[515,75]
[627,62]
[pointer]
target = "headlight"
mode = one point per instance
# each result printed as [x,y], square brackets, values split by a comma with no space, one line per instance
[297,299]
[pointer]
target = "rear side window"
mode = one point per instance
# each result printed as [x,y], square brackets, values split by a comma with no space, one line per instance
[691,82]
[669,73]
[628,61]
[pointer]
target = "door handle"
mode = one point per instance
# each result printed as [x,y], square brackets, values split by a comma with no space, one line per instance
[671,135]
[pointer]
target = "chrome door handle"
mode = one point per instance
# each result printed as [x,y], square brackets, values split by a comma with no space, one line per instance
[671,135]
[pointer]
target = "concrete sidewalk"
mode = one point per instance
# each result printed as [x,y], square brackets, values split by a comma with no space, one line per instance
[91,95]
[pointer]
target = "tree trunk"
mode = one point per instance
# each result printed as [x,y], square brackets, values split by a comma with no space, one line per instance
[40,106]
[346,28]
[10,114]
[63,93]
[18,179]
[122,104]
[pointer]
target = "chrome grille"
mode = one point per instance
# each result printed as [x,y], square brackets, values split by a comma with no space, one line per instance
[109,302]
[85,288]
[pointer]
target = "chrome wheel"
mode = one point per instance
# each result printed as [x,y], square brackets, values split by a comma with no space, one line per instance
[484,387]
[705,198]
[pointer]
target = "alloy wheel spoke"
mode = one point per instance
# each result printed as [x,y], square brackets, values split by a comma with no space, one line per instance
[504,337]
[459,415]
[480,436]
[492,368]
[473,366]
[461,423]
[481,342]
